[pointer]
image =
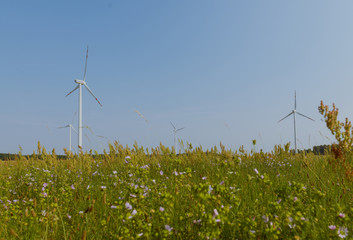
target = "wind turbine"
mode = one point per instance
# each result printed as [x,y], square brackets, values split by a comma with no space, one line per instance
[295,112]
[71,128]
[175,130]
[81,83]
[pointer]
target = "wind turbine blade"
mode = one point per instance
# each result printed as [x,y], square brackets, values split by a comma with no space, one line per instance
[305,116]
[64,126]
[72,90]
[180,129]
[173,125]
[286,116]
[89,90]
[73,118]
[73,129]
[295,100]
[84,74]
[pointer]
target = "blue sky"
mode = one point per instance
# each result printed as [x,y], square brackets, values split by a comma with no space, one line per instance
[226,70]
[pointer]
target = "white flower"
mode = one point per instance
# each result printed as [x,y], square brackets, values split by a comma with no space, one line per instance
[342,232]
[210,189]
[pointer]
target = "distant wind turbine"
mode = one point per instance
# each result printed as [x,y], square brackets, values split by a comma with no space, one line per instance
[175,130]
[71,127]
[295,112]
[81,83]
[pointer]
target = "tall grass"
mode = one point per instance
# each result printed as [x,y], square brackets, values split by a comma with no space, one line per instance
[130,193]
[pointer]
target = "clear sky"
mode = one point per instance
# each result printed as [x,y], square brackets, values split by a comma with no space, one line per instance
[225,70]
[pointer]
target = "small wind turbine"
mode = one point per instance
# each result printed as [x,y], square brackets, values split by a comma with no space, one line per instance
[295,112]
[71,128]
[81,83]
[175,130]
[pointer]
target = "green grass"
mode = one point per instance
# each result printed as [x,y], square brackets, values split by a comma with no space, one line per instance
[218,194]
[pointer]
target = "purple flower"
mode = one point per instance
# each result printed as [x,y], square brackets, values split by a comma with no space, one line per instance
[134,212]
[167,227]
[161,209]
[341,215]
[204,178]
[72,187]
[257,172]
[215,212]
[114,207]
[128,205]
[332,227]
[161,172]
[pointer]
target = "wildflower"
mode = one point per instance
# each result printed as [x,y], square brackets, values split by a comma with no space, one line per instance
[161,209]
[341,215]
[265,218]
[128,205]
[204,178]
[221,183]
[252,231]
[210,189]
[44,213]
[295,199]
[161,172]
[218,220]
[332,227]
[262,176]
[176,174]
[72,187]
[134,212]
[257,172]
[132,195]
[80,212]
[140,234]
[215,212]
[103,187]
[342,232]
[167,227]
[115,172]
[87,187]
[114,207]
[68,216]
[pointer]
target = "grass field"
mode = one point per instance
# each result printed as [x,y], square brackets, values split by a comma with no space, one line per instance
[155,194]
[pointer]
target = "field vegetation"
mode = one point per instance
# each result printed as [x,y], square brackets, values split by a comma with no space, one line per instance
[131,193]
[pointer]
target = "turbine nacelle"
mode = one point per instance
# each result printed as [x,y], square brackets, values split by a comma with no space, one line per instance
[80,82]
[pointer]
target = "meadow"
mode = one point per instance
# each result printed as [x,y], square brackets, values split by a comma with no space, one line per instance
[131,193]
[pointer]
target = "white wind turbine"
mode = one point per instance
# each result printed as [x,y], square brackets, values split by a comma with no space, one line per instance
[81,83]
[175,130]
[295,112]
[71,128]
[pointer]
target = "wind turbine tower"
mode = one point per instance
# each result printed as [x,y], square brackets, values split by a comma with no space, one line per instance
[175,130]
[295,112]
[81,83]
